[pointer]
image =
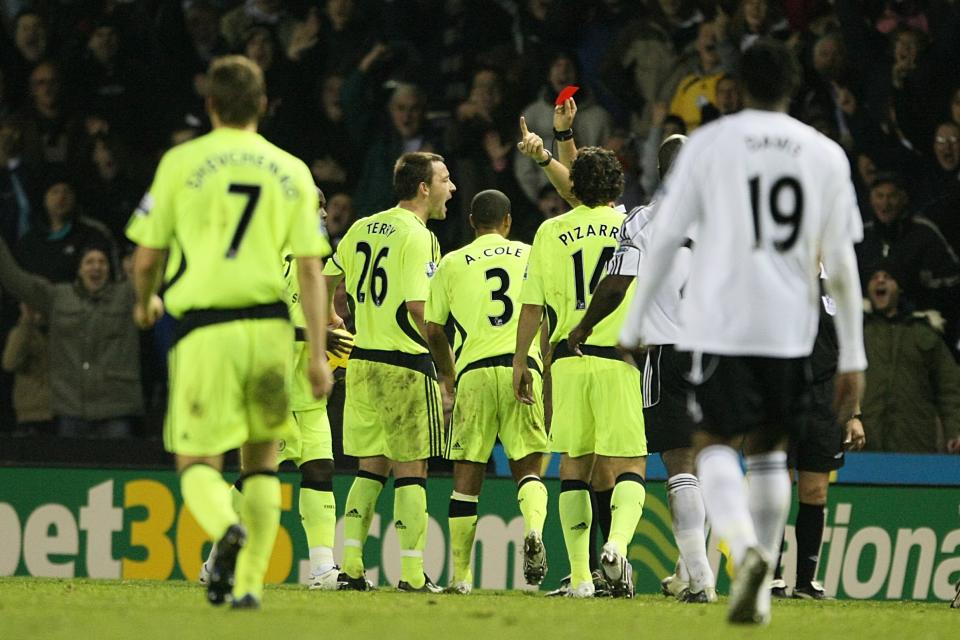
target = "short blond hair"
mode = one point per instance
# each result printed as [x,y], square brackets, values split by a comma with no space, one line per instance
[236,89]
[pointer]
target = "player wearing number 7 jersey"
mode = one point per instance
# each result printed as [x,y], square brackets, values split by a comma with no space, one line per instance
[486,408]
[769,196]
[392,417]
[230,202]
[597,404]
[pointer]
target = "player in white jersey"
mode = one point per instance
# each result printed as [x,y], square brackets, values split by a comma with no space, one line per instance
[767,195]
[665,388]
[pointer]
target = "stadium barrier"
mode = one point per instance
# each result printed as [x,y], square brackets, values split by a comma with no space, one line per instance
[880,542]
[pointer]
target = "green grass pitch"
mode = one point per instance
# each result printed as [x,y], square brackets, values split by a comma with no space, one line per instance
[78,609]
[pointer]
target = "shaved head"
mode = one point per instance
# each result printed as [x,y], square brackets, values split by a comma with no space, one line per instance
[669,149]
[489,208]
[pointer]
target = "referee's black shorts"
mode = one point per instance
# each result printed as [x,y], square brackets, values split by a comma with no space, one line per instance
[666,394]
[737,395]
[821,449]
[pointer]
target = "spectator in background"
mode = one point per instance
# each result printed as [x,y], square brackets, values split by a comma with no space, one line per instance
[339,216]
[942,176]
[330,41]
[27,356]
[953,109]
[51,248]
[260,44]
[550,203]
[594,124]
[929,268]
[384,134]
[235,24]
[695,78]
[49,127]
[912,398]
[94,346]
[30,42]
[17,182]
[109,192]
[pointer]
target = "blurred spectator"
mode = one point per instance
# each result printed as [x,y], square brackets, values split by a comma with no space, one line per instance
[27,355]
[114,85]
[912,398]
[929,268]
[49,128]
[109,192]
[953,111]
[30,40]
[695,78]
[16,185]
[627,150]
[51,249]
[332,40]
[235,24]
[593,128]
[260,44]
[550,203]
[339,216]
[943,174]
[384,134]
[94,346]
[752,19]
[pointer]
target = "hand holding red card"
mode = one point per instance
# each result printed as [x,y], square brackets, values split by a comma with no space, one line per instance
[566,94]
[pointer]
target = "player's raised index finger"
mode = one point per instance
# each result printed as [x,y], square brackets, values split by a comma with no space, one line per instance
[523,126]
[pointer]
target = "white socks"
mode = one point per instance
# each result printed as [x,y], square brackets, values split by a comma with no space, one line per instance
[769,497]
[687,511]
[725,498]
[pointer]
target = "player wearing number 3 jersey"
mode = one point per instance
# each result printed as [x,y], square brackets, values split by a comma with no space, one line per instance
[392,416]
[229,203]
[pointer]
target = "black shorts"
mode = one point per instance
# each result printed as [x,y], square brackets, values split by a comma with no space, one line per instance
[821,449]
[736,395]
[666,393]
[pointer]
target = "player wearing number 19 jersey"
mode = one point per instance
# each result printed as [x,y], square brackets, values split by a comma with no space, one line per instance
[392,415]
[231,202]
[768,196]
[486,408]
[597,404]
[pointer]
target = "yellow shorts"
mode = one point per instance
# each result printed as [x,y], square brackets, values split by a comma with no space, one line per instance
[229,385]
[597,408]
[392,410]
[486,408]
[309,440]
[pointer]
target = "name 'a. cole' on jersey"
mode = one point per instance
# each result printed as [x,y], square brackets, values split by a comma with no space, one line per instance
[479,287]
[768,194]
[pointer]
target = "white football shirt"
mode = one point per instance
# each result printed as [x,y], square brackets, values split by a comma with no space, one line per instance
[662,323]
[768,195]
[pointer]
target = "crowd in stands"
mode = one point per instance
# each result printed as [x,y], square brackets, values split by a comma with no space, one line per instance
[92,94]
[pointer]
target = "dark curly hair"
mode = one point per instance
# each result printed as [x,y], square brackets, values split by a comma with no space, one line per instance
[597,176]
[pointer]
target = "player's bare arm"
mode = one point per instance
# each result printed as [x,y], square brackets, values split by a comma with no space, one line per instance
[314,301]
[531,145]
[334,321]
[563,116]
[147,272]
[531,315]
[443,358]
[608,296]
[843,285]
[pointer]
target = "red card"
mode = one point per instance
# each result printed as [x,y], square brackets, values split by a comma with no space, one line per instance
[566,94]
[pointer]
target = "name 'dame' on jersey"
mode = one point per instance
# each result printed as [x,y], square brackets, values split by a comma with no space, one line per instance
[479,287]
[768,194]
[227,204]
[569,257]
[387,260]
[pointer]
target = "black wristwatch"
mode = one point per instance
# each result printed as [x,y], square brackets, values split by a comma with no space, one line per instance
[560,136]
[547,161]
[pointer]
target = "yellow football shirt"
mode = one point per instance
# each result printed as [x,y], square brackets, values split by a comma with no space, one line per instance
[301,392]
[568,259]
[228,203]
[479,286]
[387,260]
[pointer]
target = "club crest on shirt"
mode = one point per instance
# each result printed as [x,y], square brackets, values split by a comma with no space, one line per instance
[145,206]
[431,268]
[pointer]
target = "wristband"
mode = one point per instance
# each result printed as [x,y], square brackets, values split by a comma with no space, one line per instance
[547,161]
[560,136]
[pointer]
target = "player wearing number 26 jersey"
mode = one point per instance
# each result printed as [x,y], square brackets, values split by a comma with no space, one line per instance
[392,417]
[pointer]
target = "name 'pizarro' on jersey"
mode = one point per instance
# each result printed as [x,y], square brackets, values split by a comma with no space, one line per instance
[387,260]
[479,287]
[569,257]
[226,205]
[768,194]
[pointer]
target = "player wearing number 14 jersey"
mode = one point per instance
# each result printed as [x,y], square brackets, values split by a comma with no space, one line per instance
[597,405]
[392,417]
